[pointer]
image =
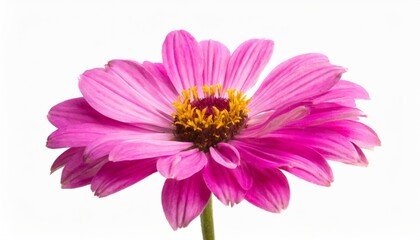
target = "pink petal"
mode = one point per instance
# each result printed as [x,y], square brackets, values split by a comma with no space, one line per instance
[143,148]
[184,200]
[146,85]
[67,156]
[295,80]
[216,57]
[121,98]
[259,118]
[329,144]
[182,165]
[270,190]
[76,135]
[225,183]
[75,111]
[78,173]
[343,90]
[356,132]
[292,157]
[163,84]
[183,60]
[327,112]
[256,157]
[362,157]
[246,64]
[103,146]
[114,177]
[243,174]
[225,154]
[275,121]
[79,135]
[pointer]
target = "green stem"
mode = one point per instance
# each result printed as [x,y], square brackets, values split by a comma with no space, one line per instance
[207,226]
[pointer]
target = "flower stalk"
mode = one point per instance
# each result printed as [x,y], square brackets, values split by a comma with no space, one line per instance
[207,226]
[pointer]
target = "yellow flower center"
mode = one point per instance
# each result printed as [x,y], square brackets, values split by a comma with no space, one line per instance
[211,119]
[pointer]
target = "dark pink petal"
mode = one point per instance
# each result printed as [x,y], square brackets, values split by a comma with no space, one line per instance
[78,173]
[114,177]
[243,174]
[225,154]
[143,83]
[270,190]
[275,121]
[216,57]
[120,98]
[77,135]
[327,112]
[65,157]
[182,165]
[102,146]
[183,60]
[144,148]
[295,80]
[260,118]
[75,111]
[225,183]
[363,159]
[255,158]
[293,157]
[343,90]
[184,200]
[356,132]
[246,64]
[162,81]
[329,144]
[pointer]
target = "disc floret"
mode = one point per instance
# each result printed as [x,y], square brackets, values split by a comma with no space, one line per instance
[215,117]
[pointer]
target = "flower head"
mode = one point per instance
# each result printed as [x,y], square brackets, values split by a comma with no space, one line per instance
[189,119]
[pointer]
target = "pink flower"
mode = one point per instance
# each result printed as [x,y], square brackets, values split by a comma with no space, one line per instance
[188,119]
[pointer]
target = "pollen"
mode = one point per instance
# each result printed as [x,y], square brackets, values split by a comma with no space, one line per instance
[210,116]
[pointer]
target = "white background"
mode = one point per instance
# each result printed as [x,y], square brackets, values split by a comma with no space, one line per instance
[45,45]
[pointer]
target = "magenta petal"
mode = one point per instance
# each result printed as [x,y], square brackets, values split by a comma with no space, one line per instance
[252,156]
[183,60]
[246,64]
[343,90]
[65,157]
[162,82]
[146,86]
[182,165]
[243,174]
[117,98]
[78,173]
[270,190]
[225,154]
[184,200]
[114,177]
[76,135]
[329,144]
[275,121]
[356,132]
[363,160]
[224,183]
[80,135]
[75,111]
[292,157]
[327,112]
[142,148]
[295,80]
[102,146]
[216,58]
